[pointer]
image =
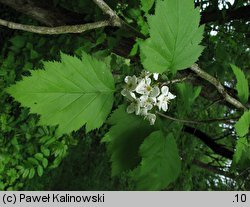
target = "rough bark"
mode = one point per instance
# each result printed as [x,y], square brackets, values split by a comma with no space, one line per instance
[56,30]
[217,148]
[43,12]
[220,88]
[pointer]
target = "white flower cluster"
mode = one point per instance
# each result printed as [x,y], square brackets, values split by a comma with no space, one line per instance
[145,95]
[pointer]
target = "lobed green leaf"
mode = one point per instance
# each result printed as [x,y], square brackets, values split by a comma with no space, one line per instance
[174,37]
[242,126]
[160,163]
[242,147]
[242,84]
[69,93]
[146,5]
[124,139]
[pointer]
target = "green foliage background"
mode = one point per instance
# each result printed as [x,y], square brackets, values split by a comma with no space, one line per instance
[33,158]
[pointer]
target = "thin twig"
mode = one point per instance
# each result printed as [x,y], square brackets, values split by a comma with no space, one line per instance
[214,102]
[105,8]
[179,80]
[197,121]
[176,119]
[116,21]
[56,30]
[213,169]
[243,172]
[218,85]
[223,136]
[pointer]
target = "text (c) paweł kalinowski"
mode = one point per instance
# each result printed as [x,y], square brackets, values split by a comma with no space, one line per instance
[61,198]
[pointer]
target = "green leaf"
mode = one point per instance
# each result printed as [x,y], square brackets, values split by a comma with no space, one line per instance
[124,139]
[31,173]
[241,158]
[242,147]
[45,162]
[242,84]
[160,163]
[40,170]
[32,161]
[18,41]
[26,173]
[146,5]
[174,37]
[188,95]
[69,93]
[2,185]
[39,156]
[242,126]
[45,151]
[33,54]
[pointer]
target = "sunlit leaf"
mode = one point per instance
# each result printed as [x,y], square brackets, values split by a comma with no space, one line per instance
[174,37]
[146,5]
[242,126]
[69,93]
[242,84]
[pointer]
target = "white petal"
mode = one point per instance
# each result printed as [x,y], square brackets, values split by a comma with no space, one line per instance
[141,88]
[139,80]
[147,81]
[145,74]
[143,112]
[143,100]
[155,91]
[124,92]
[152,100]
[134,80]
[161,98]
[148,106]
[127,79]
[132,95]
[171,96]
[159,104]
[165,106]
[131,108]
[164,90]
[156,75]
[151,118]
[137,109]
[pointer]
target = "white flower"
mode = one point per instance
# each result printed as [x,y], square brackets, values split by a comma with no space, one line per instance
[147,104]
[131,84]
[144,88]
[131,81]
[143,111]
[145,96]
[134,107]
[164,98]
[151,118]
[155,91]
[147,101]
[151,95]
